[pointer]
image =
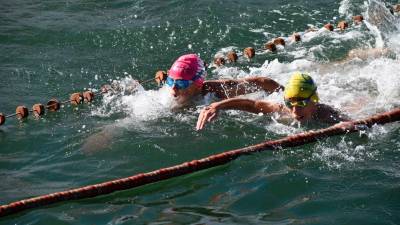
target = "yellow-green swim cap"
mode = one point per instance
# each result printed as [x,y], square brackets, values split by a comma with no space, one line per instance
[301,86]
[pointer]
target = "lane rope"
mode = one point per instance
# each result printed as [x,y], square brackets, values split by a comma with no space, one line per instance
[197,165]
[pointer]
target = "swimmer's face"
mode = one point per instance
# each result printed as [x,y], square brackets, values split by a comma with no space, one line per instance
[302,113]
[182,96]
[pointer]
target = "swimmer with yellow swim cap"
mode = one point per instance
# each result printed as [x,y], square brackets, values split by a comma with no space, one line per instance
[301,103]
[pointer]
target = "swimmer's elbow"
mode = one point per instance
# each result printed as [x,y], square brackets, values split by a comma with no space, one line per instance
[270,85]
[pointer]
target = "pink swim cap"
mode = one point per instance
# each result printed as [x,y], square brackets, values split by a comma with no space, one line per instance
[188,67]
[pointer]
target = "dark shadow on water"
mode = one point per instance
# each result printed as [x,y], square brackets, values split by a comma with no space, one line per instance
[102,140]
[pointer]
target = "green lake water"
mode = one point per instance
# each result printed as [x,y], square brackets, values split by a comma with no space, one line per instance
[54,48]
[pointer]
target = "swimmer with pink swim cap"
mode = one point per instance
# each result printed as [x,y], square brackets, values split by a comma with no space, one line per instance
[186,81]
[187,69]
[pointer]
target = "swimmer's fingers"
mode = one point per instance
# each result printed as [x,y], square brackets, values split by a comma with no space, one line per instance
[212,116]
[201,119]
[205,116]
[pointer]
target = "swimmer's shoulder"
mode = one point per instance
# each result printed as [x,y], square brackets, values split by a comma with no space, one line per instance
[330,115]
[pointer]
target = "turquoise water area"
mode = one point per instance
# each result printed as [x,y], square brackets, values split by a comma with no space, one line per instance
[54,48]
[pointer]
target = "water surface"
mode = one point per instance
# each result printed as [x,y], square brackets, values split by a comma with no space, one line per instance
[54,48]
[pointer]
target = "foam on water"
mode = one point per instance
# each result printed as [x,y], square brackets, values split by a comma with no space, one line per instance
[378,15]
[349,8]
[344,8]
[138,107]
[148,105]
[346,153]
[393,43]
[357,87]
[341,84]
[135,102]
[342,178]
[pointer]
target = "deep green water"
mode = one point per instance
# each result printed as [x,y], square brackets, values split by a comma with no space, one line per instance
[54,48]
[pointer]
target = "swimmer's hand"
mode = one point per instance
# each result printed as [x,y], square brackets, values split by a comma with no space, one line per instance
[160,77]
[206,115]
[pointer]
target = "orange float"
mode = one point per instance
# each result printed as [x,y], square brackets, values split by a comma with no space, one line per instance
[53,105]
[21,112]
[38,110]
[88,96]
[249,52]
[76,98]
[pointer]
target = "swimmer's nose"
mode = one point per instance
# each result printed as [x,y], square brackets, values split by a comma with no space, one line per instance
[297,112]
[174,91]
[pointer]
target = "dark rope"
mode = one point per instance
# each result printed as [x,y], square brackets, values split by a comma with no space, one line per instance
[196,165]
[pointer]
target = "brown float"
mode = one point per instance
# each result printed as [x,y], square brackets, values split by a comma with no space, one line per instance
[232,56]
[219,61]
[53,105]
[249,52]
[343,25]
[270,46]
[2,119]
[21,112]
[38,110]
[76,98]
[329,27]
[296,37]
[88,96]
[279,41]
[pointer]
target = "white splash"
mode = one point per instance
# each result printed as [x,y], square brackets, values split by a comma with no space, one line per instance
[357,87]
[148,105]
[130,98]
[344,8]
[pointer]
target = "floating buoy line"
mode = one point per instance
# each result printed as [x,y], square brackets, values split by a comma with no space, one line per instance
[271,46]
[53,105]
[38,109]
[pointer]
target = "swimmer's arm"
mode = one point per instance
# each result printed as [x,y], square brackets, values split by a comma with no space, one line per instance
[248,105]
[231,88]
[210,112]
[264,83]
